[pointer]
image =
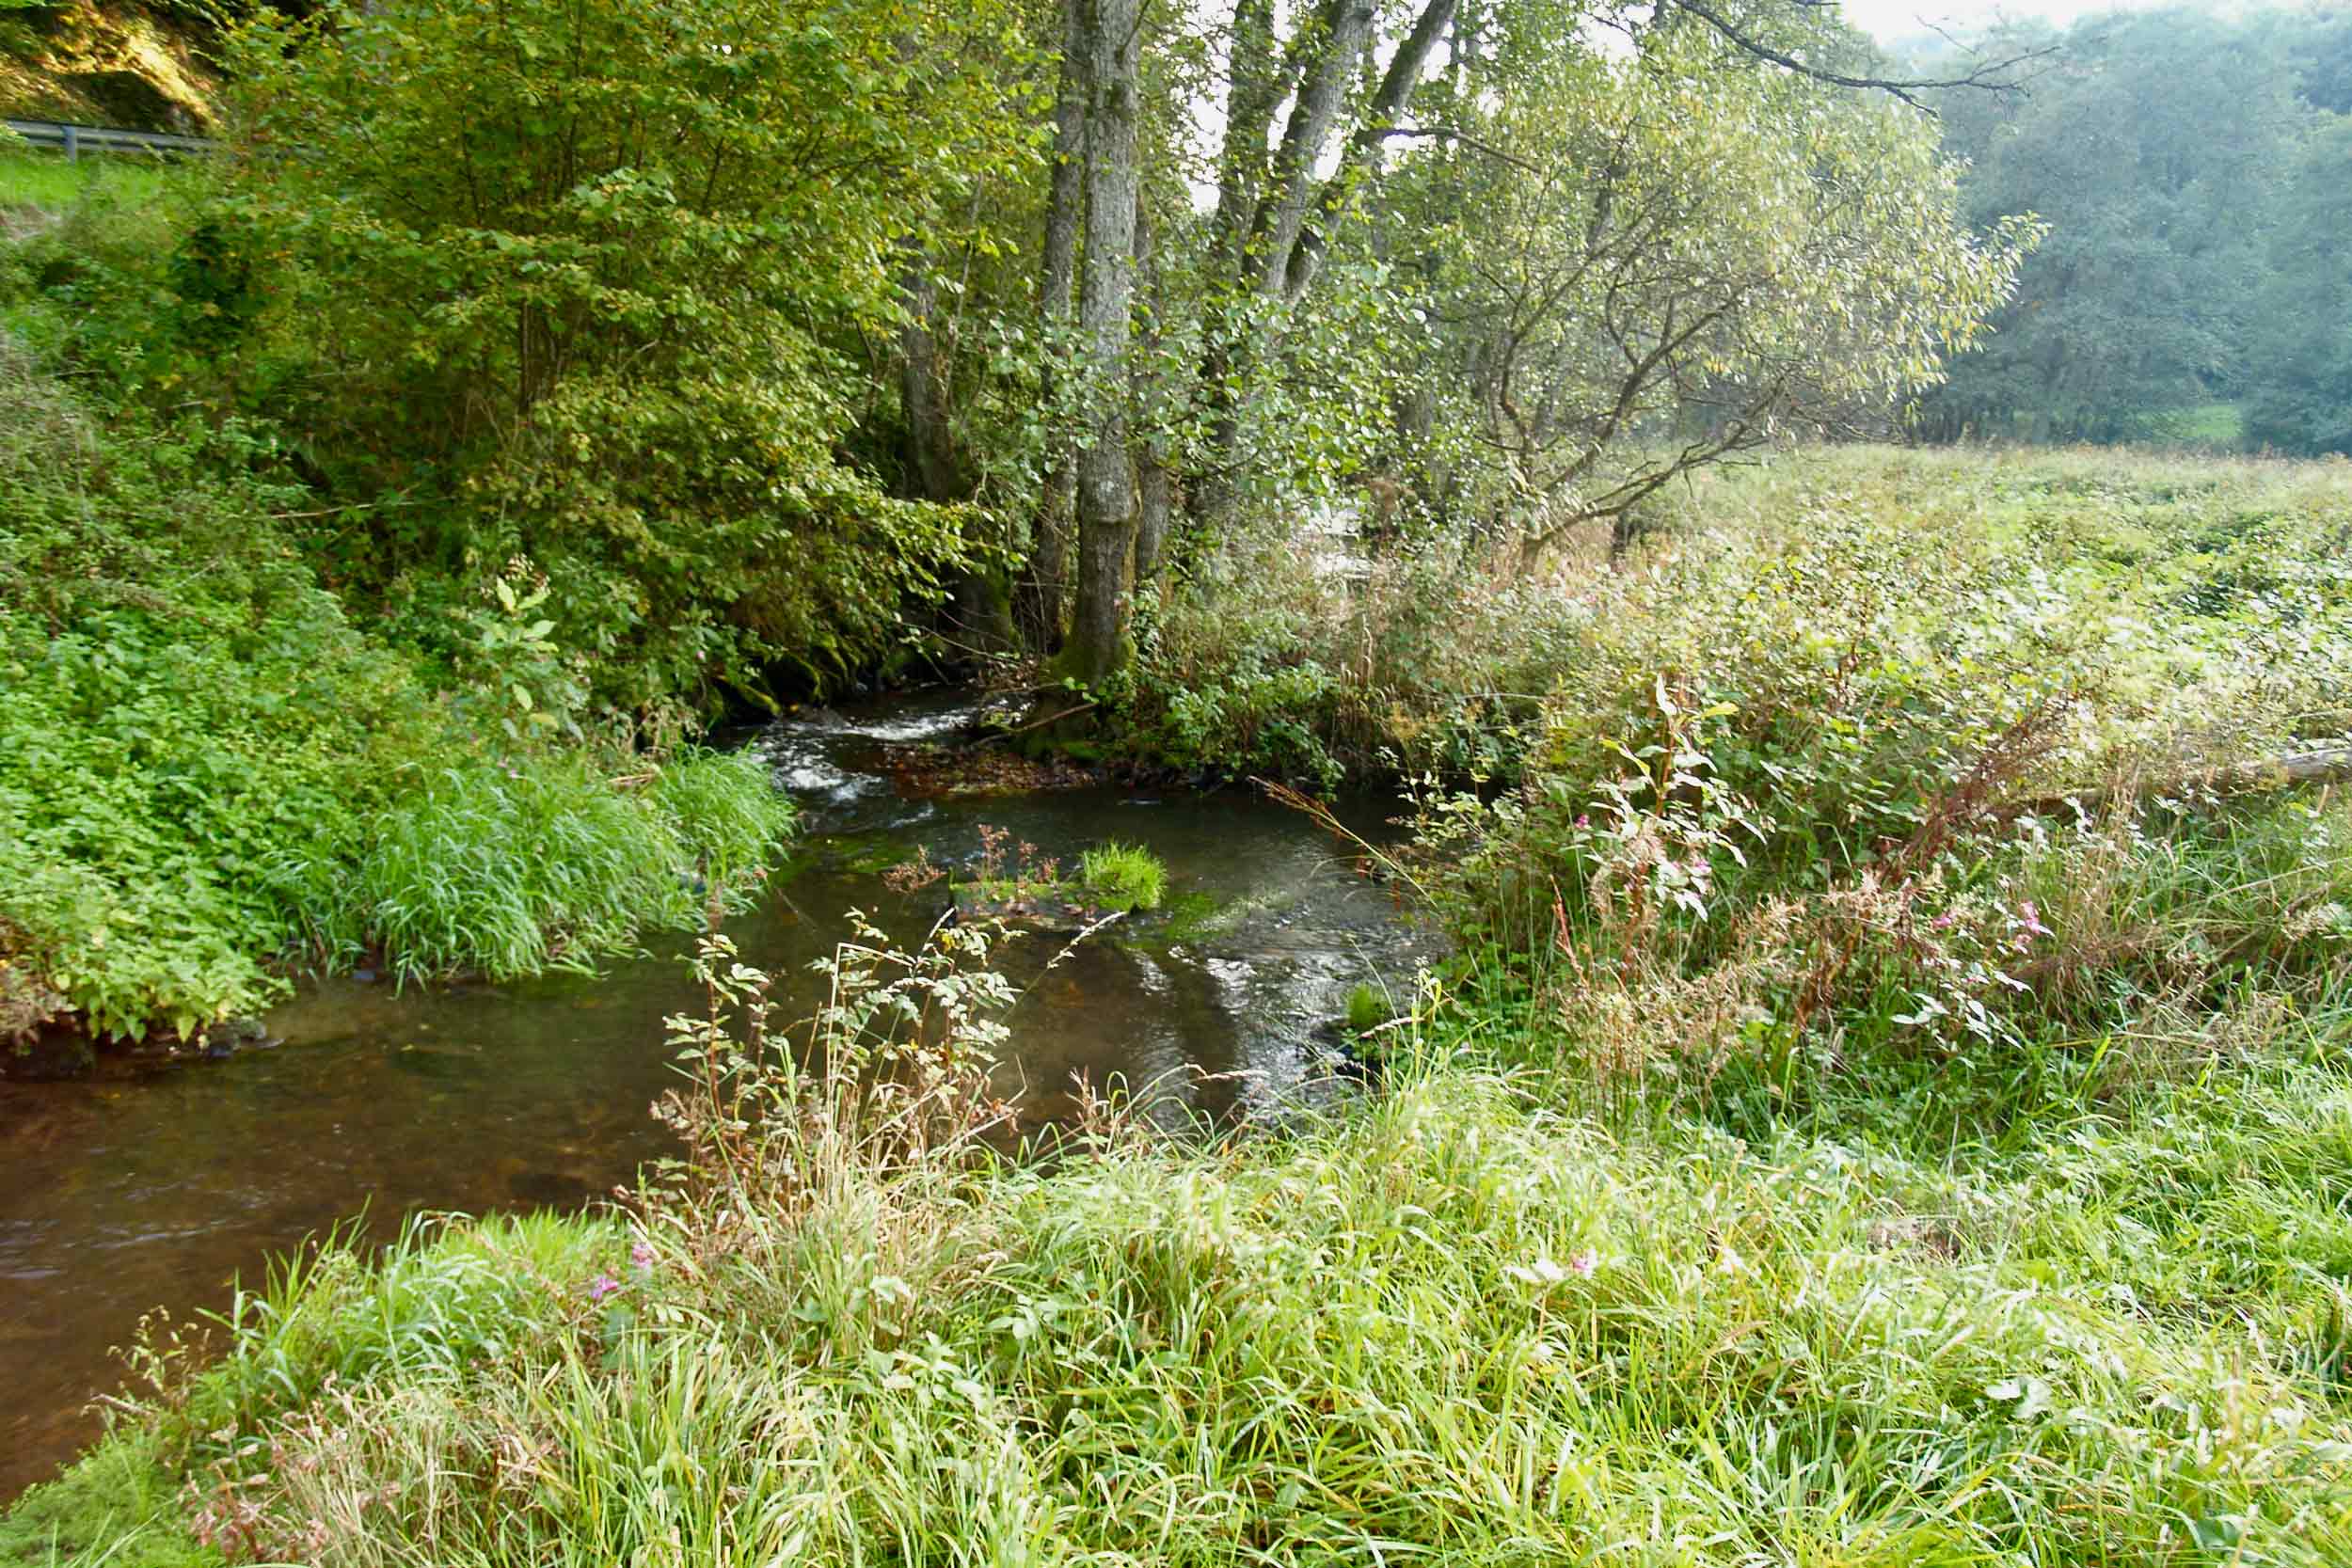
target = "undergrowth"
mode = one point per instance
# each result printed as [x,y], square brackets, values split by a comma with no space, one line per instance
[2199,602]
[1890,1104]
[210,774]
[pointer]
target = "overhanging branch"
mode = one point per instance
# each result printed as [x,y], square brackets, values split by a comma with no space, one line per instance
[1988,77]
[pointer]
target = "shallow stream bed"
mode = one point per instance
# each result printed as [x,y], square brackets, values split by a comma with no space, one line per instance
[121,1195]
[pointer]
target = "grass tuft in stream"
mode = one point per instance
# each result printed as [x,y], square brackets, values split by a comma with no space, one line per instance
[1121,876]
[483,868]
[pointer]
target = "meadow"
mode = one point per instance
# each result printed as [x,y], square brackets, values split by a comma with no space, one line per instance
[1890,1104]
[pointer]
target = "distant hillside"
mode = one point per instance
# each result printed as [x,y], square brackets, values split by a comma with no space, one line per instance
[106,63]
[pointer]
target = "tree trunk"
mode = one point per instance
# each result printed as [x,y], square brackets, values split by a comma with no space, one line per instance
[1362,161]
[979,620]
[931,461]
[1099,643]
[1154,401]
[1346,32]
[1045,580]
[1281,257]
[1326,50]
[1257,82]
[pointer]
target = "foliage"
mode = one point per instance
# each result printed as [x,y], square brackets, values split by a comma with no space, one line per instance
[2155,147]
[618,342]
[205,767]
[2304,401]
[1118,875]
[2204,599]
[1642,264]
[483,869]
[180,700]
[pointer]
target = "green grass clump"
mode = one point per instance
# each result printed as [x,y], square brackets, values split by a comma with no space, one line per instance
[502,871]
[119,1505]
[1122,877]
[45,181]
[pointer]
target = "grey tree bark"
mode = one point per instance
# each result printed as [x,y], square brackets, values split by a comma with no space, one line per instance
[1044,587]
[1099,642]
[1344,32]
[1154,400]
[931,459]
[1257,82]
[1362,161]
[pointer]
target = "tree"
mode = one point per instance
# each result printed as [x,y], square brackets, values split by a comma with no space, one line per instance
[2304,401]
[589,282]
[1242,360]
[1649,262]
[2151,147]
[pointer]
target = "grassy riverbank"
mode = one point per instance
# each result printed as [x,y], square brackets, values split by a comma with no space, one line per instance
[1970,1314]
[1892,1105]
[2177,574]
[216,767]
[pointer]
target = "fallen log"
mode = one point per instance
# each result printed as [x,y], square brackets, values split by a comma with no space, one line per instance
[2329,766]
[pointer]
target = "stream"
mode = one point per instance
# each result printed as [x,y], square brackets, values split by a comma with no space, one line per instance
[121,1194]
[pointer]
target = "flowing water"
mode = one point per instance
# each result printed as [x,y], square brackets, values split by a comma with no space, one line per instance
[119,1194]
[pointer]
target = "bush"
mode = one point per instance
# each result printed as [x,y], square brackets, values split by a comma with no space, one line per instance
[178,699]
[205,768]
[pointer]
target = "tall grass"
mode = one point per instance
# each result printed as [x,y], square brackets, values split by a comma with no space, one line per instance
[1824,1149]
[1451,1324]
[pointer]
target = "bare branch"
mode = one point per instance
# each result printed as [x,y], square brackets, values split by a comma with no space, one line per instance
[1440,133]
[1988,77]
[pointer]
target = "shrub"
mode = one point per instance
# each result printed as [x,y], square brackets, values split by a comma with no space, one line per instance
[178,699]
[204,766]
[624,351]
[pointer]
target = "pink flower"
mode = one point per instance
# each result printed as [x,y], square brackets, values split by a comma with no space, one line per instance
[1583,1263]
[642,1255]
[2032,917]
[602,1286]
[1944,921]
[1584,819]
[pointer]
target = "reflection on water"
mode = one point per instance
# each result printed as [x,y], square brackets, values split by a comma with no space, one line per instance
[119,1196]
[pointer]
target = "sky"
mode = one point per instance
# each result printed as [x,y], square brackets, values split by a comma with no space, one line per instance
[1894,20]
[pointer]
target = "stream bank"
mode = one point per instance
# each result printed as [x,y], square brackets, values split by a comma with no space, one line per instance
[119,1195]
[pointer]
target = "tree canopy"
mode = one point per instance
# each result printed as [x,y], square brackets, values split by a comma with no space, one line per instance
[2186,167]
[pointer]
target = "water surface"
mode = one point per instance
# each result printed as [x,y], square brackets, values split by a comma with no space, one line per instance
[119,1196]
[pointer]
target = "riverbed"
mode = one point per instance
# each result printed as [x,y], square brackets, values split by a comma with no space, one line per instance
[119,1195]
